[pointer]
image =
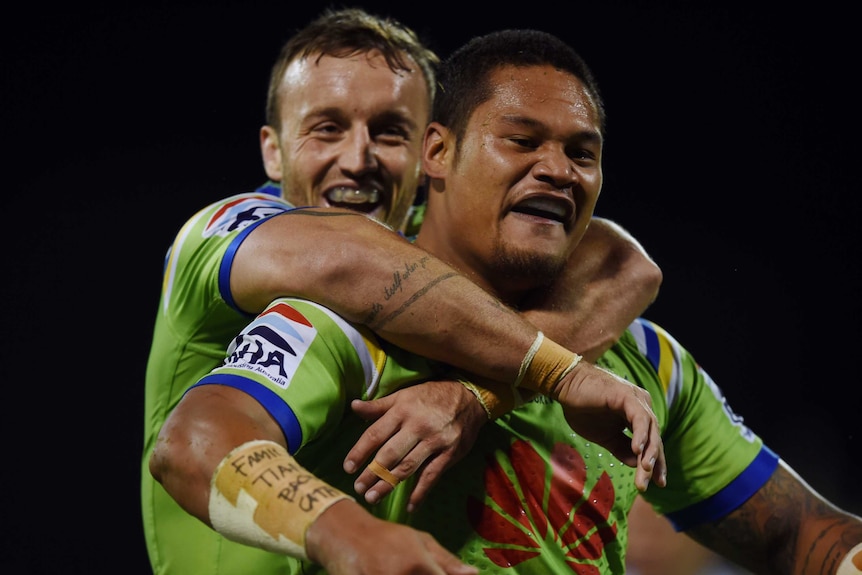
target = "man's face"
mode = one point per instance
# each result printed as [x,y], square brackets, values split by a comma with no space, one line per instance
[513,201]
[350,136]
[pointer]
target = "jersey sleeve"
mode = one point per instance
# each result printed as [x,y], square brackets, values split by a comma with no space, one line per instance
[715,462]
[195,318]
[202,252]
[303,364]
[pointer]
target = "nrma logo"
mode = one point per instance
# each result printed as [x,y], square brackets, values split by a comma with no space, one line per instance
[273,345]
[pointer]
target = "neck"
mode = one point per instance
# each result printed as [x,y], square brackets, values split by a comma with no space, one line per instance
[436,245]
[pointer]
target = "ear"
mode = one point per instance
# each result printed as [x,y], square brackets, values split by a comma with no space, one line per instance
[270,150]
[437,146]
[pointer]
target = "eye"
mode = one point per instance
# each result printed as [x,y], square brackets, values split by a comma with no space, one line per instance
[524,142]
[581,154]
[327,129]
[393,134]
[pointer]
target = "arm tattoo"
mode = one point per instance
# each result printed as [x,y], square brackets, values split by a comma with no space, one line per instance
[786,527]
[375,324]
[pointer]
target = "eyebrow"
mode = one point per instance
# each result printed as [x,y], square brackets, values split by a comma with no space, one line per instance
[388,116]
[398,117]
[590,135]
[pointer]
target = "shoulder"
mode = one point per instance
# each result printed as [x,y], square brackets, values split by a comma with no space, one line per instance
[234,213]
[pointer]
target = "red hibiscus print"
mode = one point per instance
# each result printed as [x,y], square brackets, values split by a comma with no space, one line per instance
[544,510]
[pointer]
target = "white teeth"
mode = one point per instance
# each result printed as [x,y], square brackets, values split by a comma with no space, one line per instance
[353,196]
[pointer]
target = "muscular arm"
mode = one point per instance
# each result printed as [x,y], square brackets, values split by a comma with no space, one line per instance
[610,281]
[371,275]
[206,424]
[211,421]
[786,527]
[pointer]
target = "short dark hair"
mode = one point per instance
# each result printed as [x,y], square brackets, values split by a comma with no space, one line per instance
[463,77]
[346,32]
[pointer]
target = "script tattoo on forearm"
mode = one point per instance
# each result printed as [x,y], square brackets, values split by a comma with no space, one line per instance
[399,278]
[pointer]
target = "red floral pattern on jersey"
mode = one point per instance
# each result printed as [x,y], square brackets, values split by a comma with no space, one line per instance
[544,509]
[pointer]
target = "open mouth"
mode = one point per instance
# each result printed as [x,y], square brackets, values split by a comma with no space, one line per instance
[547,208]
[359,199]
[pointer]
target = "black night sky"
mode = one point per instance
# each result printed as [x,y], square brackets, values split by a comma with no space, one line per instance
[731,154]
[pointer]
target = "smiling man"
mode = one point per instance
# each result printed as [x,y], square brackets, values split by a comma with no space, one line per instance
[331,144]
[514,159]
[349,98]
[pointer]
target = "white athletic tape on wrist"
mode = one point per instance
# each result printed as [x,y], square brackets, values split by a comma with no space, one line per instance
[852,564]
[545,365]
[261,496]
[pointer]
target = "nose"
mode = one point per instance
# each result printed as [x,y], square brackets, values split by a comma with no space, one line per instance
[556,168]
[359,153]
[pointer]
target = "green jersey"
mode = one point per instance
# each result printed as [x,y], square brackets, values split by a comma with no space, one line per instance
[531,496]
[196,319]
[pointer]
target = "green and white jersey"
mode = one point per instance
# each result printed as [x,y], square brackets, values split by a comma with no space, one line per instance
[531,496]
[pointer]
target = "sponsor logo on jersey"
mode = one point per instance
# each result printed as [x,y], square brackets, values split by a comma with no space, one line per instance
[239,213]
[273,345]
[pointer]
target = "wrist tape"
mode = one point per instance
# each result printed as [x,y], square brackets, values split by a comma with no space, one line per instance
[852,563]
[495,397]
[545,364]
[261,496]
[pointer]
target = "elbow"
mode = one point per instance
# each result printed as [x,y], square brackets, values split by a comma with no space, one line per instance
[160,460]
[651,278]
[174,469]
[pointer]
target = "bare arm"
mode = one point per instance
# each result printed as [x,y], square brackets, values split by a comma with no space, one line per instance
[784,528]
[371,275]
[211,421]
[609,282]
[206,424]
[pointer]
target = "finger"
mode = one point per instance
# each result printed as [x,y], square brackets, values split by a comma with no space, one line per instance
[426,478]
[622,448]
[651,450]
[652,464]
[377,436]
[659,472]
[399,456]
[374,485]
[378,485]
[644,468]
[643,475]
[372,409]
[642,450]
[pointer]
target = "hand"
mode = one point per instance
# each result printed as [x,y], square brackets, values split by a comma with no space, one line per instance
[601,406]
[425,428]
[347,540]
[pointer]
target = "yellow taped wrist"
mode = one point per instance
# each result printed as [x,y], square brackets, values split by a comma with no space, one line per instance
[852,563]
[545,365]
[261,496]
[495,397]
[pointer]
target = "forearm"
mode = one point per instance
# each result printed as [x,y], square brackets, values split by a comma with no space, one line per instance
[784,528]
[609,281]
[262,497]
[216,457]
[373,276]
[200,431]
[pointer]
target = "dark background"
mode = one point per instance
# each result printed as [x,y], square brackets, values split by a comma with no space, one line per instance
[732,154]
